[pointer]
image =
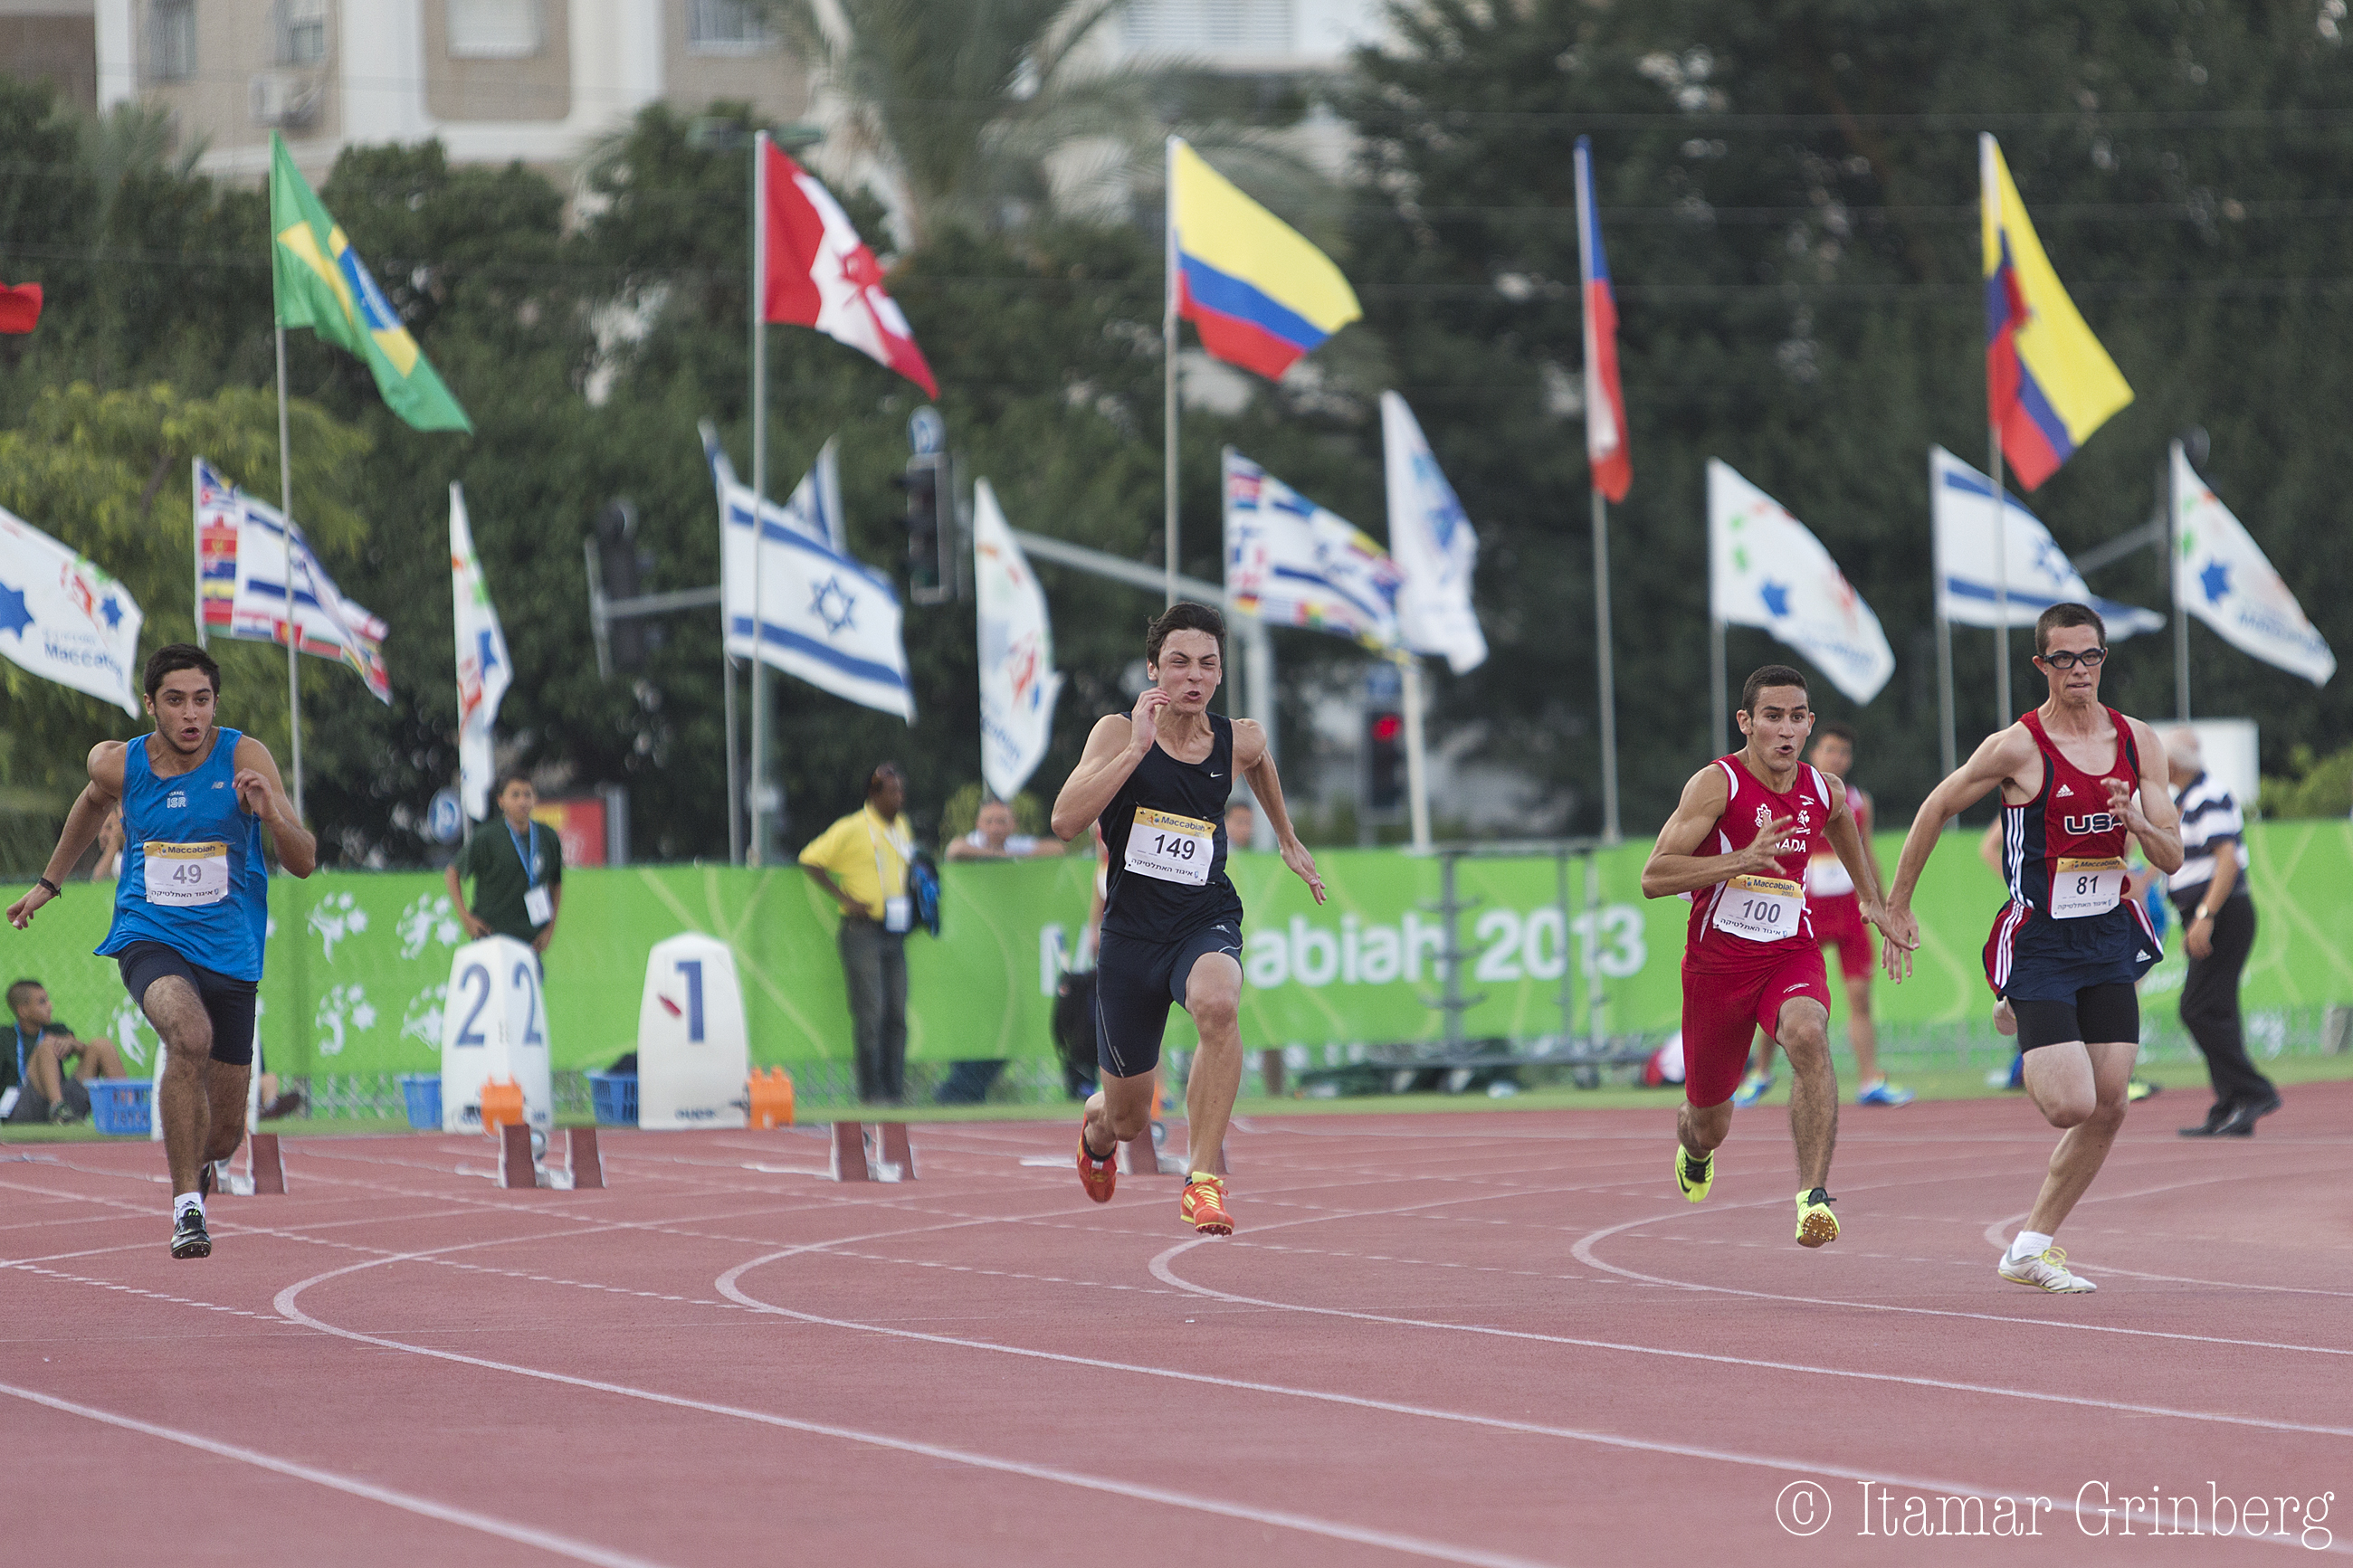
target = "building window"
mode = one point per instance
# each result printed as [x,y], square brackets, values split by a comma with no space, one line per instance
[494,29]
[1214,28]
[301,28]
[725,27]
[172,39]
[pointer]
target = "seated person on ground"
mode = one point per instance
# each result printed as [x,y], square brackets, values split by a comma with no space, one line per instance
[49,1064]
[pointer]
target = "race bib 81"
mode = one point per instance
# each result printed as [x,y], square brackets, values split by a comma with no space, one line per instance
[1171,848]
[2081,887]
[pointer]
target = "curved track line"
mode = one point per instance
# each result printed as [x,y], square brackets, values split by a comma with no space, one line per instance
[1330,1529]
[523,1534]
[727,1286]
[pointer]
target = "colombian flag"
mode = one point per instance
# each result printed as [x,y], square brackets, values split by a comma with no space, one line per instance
[1258,293]
[321,284]
[2049,385]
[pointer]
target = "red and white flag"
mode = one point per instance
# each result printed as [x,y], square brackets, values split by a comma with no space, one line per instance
[821,275]
[20,307]
[1604,400]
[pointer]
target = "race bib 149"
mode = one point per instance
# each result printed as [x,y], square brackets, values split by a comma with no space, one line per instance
[1171,848]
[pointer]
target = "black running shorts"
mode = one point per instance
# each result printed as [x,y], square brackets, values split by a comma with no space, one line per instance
[2102,1015]
[1135,984]
[229,1003]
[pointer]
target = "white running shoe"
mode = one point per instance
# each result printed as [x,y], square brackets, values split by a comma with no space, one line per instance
[2048,1272]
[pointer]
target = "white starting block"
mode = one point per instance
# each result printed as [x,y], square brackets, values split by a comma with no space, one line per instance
[693,1052]
[494,1025]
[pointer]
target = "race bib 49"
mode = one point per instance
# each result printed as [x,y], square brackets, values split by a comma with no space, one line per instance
[185,875]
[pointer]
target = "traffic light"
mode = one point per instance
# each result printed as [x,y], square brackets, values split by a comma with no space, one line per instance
[930,534]
[622,568]
[1384,759]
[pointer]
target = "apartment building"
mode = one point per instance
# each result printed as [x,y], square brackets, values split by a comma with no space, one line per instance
[539,80]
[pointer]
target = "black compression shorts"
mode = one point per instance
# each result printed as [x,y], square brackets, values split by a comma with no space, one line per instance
[2102,1015]
[229,1002]
[1135,984]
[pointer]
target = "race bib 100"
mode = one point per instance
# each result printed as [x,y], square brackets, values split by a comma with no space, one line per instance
[183,876]
[1171,848]
[2081,887]
[1761,908]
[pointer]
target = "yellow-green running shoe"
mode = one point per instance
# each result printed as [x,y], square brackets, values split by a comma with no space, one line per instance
[1817,1226]
[1693,1181]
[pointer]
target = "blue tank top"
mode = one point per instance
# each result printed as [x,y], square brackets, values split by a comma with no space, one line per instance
[193,878]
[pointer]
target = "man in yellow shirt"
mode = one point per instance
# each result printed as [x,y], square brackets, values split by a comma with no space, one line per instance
[862,863]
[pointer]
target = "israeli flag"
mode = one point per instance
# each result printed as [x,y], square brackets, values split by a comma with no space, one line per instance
[1767,569]
[1432,542]
[2220,576]
[2036,571]
[823,616]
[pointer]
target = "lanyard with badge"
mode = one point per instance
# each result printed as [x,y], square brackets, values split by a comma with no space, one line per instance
[898,910]
[538,903]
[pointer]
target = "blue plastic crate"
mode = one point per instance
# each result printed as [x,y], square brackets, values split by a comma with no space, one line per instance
[615,1098]
[423,1092]
[123,1106]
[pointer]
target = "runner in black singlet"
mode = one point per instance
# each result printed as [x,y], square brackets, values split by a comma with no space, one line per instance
[1157,782]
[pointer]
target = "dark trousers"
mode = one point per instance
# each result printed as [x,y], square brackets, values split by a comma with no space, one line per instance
[2209,1006]
[874,967]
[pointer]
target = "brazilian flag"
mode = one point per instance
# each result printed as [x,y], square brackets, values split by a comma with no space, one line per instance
[323,285]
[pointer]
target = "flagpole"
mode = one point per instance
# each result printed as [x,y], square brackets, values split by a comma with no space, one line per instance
[2173,557]
[1944,682]
[1417,781]
[1719,700]
[293,625]
[759,781]
[196,539]
[1168,362]
[1607,675]
[1988,196]
[734,774]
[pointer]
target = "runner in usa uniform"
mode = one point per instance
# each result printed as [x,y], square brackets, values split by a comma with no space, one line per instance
[1836,909]
[1155,782]
[2077,780]
[1737,845]
[191,908]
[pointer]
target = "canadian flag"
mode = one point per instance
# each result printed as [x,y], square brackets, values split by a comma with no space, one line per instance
[821,275]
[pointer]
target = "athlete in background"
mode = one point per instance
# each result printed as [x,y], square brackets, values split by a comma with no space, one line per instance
[2078,780]
[1737,845]
[1837,911]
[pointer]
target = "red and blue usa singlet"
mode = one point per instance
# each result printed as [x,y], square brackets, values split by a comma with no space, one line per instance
[1748,918]
[2070,922]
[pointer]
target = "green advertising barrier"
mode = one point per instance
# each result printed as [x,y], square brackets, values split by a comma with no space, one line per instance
[359,963]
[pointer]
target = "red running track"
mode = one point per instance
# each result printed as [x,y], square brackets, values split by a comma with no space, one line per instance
[1494,1338]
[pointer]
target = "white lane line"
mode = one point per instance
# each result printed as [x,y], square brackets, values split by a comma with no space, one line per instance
[1583,1253]
[1334,1529]
[466,1519]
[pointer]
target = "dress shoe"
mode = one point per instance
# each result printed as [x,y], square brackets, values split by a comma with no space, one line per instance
[2217,1114]
[2240,1122]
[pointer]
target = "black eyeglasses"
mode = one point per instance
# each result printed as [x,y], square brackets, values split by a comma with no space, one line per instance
[2090,658]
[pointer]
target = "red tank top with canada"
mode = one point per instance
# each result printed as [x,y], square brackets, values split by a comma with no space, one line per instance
[1741,922]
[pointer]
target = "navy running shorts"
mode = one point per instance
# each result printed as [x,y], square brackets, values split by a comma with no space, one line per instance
[1136,980]
[229,1003]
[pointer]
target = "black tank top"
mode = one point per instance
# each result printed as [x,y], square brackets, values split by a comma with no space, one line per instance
[1148,908]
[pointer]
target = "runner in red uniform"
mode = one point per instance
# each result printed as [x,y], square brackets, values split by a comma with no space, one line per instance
[2077,781]
[1836,909]
[1737,845]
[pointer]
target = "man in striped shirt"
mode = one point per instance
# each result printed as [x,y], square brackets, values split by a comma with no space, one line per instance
[2218,921]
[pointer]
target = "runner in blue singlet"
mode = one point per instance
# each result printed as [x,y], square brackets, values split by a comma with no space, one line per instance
[191,907]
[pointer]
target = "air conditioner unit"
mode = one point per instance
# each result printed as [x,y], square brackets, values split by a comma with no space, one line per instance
[282,98]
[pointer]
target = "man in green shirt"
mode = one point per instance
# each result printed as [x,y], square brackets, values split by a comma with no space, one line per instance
[517,866]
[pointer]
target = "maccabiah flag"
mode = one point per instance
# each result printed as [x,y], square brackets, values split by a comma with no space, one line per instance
[64,619]
[1291,562]
[482,668]
[2224,579]
[1434,544]
[821,275]
[1018,680]
[1767,569]
[245,553]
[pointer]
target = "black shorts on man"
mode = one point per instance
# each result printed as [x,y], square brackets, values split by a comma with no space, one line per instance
[229,1002]
[2099,1015]
[1136,981]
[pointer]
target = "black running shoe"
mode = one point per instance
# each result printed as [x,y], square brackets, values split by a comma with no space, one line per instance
[189,1237]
